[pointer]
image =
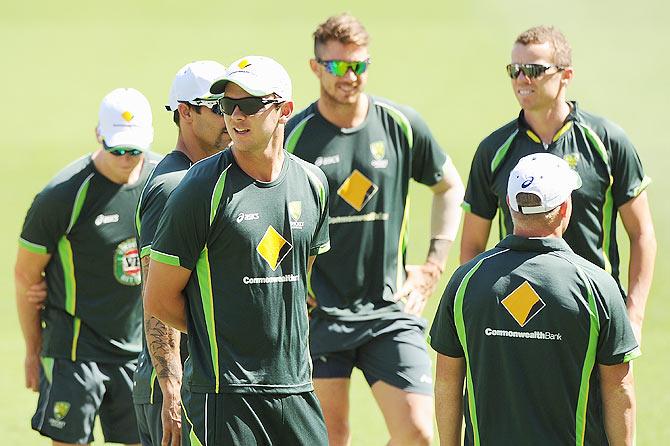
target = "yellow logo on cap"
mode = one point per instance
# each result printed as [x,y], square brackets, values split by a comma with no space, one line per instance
[357,190]
[243,64]
[523,303]
[127,116]
[273,247]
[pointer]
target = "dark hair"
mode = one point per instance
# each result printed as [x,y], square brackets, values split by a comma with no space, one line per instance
[175,114]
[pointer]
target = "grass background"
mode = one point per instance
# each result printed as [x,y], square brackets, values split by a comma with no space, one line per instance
[445,58]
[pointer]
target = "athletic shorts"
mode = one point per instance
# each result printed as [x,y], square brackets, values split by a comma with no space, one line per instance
[392,350]
[252,419]
[149,423]
[72,394]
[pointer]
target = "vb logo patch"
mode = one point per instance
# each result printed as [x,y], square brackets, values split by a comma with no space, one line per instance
[295,212]
[127,269]
[273,247]
[357,190]
[523,304]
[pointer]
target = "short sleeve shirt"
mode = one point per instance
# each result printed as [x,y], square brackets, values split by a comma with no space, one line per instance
[247,244]
[533,320]
[596,148]
[86,223]
[368,169]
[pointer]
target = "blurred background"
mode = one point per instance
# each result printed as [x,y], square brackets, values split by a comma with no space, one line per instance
[444,58]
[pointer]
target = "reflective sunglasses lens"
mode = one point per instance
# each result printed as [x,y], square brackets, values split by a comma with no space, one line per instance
[121,152]
[533,70]
[359,67]
[513,71]
[248,106]
[339,68]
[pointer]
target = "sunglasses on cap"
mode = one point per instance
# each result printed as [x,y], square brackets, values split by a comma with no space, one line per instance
[339,68]
[120,151]
[212,104]
[530,70]
[249,105]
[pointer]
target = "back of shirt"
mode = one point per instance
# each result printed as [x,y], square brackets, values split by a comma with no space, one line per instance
[533,321]
[86,223]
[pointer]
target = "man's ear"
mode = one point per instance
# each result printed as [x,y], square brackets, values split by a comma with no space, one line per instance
[566,75]
[314,66]
[185,112]
[286,111]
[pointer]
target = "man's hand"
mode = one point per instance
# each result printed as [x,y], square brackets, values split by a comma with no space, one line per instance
[32,366]
[37,294]
[419,286]
[171,413]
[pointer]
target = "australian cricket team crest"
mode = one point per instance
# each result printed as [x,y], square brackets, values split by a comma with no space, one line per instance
[127,269]
[61,409]
[378,153]
[572,159]
[295,212]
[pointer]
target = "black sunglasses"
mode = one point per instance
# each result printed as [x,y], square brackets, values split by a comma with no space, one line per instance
[124,151]
[530,70]
[249,105]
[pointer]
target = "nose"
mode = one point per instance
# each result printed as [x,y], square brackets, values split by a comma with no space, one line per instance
[237,113]
[350,75]
[523,78]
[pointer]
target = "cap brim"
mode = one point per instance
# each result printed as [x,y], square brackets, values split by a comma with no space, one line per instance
[252,84]
[140,140]
[218,87]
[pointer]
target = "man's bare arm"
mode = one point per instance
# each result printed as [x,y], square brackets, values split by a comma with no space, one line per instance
[28,272]
[475,235]
[636,218]
[449,378]
[618,397]
[163,294]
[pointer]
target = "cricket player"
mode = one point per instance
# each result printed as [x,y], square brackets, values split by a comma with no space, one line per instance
[202,132]
[79,236]
[229,265]
[614,183]
[367,301]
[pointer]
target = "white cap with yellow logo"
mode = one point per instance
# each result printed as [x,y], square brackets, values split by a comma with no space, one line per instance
[258,76]
[125,119]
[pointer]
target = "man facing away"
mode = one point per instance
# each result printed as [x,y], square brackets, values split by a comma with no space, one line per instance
[539,335]
[367,302]
[612,175]
[229,264]
[202,132]
[79,236]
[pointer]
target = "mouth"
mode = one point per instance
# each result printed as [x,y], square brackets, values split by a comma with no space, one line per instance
[239,131]
[524,91]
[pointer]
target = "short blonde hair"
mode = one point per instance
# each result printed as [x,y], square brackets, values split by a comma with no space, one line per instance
[548,34]
[344,28]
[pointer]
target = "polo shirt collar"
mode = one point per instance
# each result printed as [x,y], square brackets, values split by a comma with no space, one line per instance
[567,124]
[534,244]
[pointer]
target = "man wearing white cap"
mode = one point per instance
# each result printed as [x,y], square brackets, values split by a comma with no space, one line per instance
[539,334]
[229,264]
[202,132]
[79,236]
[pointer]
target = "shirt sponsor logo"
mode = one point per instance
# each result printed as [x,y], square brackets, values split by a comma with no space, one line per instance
[295,211]
[326,160]
[538,335]
[247,217]
[61,409]
[273,247]
[357,190]
[278,279]
[103,219]
[127,268]
[572,159]
[378,151]
[523,303]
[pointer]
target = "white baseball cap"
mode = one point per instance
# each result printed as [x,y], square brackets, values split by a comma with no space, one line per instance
[125,119]
[193,81]
[547,176]
[258,76]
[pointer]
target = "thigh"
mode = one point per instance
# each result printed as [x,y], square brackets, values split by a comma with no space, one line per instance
[117,414]
[70,397]
[397,355]
[149,423]
[303,421]
[408,416]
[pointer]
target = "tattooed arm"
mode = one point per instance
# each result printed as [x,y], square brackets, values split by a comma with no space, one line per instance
[163,344]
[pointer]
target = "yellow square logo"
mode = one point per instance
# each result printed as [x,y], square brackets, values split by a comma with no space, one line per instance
[273,247]
[357,190]
[523,303]
[127,116]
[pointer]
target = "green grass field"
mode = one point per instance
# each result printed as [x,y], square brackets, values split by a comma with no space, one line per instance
[445,58]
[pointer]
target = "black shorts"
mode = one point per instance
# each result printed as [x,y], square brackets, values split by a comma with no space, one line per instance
[390,350]
[149,423]
[252,419]
[72,394]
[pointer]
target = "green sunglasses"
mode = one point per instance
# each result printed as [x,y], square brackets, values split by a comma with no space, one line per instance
[340,68]
[120,151]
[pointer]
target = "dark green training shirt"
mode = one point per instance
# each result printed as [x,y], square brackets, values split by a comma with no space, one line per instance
[601,153]
[247,244]
[533,320]
[86,223]
[163,180]
[368,169]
